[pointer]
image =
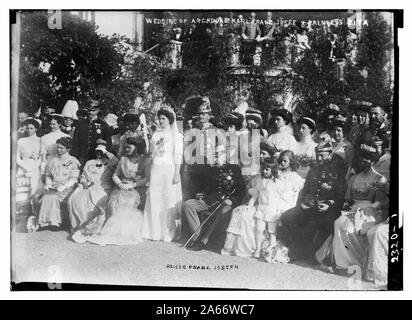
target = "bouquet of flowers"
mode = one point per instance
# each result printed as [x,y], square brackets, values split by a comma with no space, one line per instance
[160,145]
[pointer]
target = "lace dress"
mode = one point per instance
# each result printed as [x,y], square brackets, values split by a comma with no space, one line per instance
[121,224]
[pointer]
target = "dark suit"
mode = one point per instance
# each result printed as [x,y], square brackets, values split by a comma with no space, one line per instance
[330,51]
[220,182]
[307,229]
[85,136]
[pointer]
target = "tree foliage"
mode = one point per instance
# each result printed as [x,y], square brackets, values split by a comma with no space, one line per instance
[59,64]
[83,65]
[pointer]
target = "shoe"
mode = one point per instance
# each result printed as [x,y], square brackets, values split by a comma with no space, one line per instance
[191,244]
[226,252]
[198,246]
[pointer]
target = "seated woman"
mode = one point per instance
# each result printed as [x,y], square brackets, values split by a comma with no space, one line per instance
[377,262]
[61,176]
[122,224]
[94,188]
[362,209]
[271,194]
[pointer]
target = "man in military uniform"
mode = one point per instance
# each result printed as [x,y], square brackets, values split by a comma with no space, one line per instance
[306,226]
[87,132]
[377,131]
[250,33]
[378,126]
[199,142]
[221,180]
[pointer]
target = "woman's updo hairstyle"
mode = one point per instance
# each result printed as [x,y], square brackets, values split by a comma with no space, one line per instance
[33,122]
[56,117]
[65,142]
[167,113]
[139,144]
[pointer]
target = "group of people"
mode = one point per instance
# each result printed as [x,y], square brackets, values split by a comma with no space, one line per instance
[250,36]
[322,197]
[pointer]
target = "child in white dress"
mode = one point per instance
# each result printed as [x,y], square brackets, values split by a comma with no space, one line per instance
[275,200]
[241,232]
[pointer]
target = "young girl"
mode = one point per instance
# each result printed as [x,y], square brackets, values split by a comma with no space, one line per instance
[275,201]
[241,232]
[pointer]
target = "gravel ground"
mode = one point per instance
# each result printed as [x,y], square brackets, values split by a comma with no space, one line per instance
[43,256]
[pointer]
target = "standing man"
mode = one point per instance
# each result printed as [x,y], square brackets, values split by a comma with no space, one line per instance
[21,128]
[87,132]
[198,143]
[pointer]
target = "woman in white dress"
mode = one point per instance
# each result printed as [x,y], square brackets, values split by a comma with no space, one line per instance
[164,200]
[377,262]
[122,223]
[306,146]
[252,229]
[62,174]
[363,209]
[28,162]
[48,141]
[285,194]
[95,186]
[282,139]
[241,234]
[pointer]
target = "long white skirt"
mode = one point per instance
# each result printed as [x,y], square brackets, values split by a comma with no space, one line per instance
[240,234]
[162,213]
[120,226]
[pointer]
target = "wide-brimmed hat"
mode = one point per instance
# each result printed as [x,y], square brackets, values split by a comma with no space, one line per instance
[131,117]
[205,106]
[331,109]
[323,147]
[285,114]
[368,152]
[339,121]
[268,147]
[254,114]
[360,106]
[56,115]
[309,122]
[235,119]
[101,145]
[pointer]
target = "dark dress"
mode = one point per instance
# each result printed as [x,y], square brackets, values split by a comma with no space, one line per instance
[85,136]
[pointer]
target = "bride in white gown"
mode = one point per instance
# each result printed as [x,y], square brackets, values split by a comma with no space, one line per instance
[161,220]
